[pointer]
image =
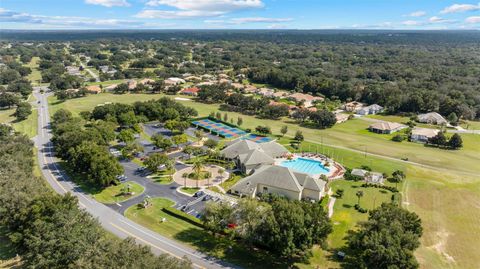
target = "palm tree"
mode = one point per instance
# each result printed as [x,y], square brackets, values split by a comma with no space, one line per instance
[197,169]
[184,176]
[199,136]
[359,194]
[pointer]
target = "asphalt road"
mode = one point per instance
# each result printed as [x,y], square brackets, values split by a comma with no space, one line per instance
[110,219]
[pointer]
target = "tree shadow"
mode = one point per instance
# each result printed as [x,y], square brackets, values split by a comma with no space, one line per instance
[346,205]
[230,250]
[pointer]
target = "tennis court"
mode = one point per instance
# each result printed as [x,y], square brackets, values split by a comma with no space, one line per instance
[257,138]
[219,128]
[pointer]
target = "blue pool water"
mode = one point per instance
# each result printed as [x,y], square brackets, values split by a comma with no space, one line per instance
[307,166]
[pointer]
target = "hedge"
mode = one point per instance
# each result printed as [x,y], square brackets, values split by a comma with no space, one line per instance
[183,216]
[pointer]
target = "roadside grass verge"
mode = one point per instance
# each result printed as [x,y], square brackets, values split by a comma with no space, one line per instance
[194,236]
[114,194]
[189,190]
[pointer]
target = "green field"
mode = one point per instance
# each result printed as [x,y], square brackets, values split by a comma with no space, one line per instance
[35,77]
[444,192]
[189,190]
[113,194]
[196,237]
[28,126]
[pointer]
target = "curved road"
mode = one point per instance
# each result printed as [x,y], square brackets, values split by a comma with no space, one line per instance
[109,218]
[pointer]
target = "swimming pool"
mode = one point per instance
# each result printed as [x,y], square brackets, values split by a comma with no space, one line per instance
[307,166]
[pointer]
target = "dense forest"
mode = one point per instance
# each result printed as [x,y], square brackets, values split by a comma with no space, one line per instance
[406,72]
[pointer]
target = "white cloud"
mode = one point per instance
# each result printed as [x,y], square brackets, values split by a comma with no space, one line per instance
[170,14]
[259,20]
[412,23]
[208,5]
[8,16]
[196,8]
[473,19]
[436,19]
[419,13]
[456,8]
[108,3]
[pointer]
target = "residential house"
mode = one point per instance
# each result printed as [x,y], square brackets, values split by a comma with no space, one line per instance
[107,70]
[340,117]
[307,99]
[223,76]
[193,78]
[173,81]
[94,89]
[250,89]
[238,86]
[432,118]
[224,81]
[73,70]
[147,81]
[368,176]
[282,181]
[385,127]
[132,84]
[369,110]
[352,106]
[205,83]
[280,94]
[423,134]
[192,91]
[110,87]
[266,92]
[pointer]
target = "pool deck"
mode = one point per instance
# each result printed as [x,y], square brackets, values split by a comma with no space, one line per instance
[335,170]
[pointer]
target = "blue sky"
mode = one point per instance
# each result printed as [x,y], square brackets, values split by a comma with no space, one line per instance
[239,14]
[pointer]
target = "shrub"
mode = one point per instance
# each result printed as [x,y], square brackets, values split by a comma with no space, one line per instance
[398,138]
[183,216]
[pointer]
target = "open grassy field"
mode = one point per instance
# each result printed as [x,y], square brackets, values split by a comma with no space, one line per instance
[444,194]
[28,126]
[196,237]
[114,194]
[35,77]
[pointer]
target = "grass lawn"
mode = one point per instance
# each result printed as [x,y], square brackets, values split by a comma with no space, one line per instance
[28,126]
[164,180]
[345,216]
[189,190]
[197,238]
[351,134]
[227,184]
[113,194]
[445,197]
[35,77]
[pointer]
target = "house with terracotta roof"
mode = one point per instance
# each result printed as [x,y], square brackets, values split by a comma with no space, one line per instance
[132,84]
[238,86]
[147,81]
[340,117]
[307,99]
[386,127]
[94,89]
[280,94]
[353,106]
[110,87]
[250,89]
[192,91]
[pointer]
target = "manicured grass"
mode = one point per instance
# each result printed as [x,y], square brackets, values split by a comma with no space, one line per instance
[189,190]
[35,77]
[227,184]
[196,237]
[445,198]
[215,189]
[28,126]
[113,194]
[345,217]
[351,134]
[164,180]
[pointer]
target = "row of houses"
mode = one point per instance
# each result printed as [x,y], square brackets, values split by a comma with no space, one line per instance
[418,134]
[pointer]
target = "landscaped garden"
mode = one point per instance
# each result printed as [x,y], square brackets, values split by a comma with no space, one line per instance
[119,193]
